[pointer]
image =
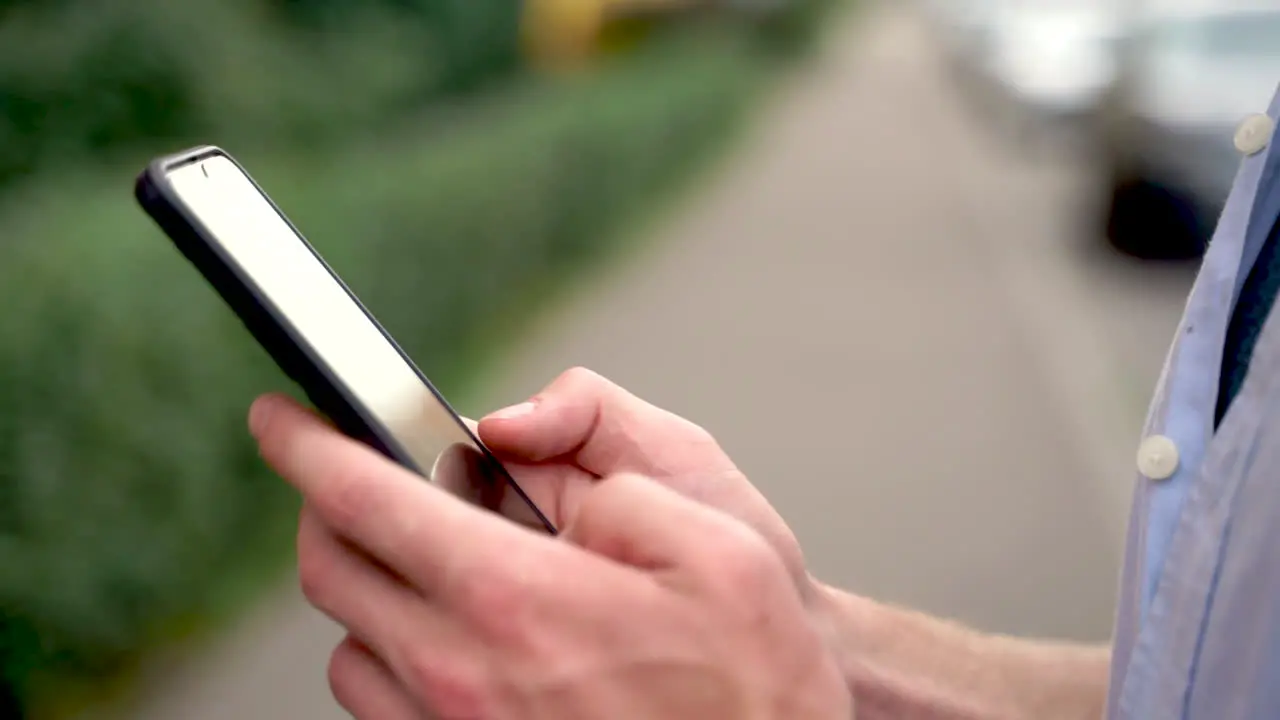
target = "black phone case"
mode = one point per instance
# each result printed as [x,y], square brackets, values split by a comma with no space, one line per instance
[291,352]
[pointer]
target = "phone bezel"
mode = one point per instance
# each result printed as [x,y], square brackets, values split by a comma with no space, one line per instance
[273,330]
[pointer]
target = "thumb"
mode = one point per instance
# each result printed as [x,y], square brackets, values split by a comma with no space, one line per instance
[603,429]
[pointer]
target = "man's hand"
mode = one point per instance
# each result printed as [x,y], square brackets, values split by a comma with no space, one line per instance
[649,605]
[583,427]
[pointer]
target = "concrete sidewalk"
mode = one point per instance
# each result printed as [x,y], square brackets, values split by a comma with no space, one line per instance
[874,314]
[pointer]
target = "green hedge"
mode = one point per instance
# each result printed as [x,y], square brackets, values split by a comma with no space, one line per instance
[79,78]
[84,78]
[132,504]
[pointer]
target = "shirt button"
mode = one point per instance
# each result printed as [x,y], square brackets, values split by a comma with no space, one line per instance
[1157,457]
[1254,133]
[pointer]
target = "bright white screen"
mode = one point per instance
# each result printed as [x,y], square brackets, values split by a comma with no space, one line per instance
[284,270]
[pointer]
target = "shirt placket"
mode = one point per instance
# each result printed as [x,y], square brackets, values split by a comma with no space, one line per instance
[1185,511]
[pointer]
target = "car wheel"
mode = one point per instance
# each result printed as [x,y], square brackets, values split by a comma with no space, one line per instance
[1147,220]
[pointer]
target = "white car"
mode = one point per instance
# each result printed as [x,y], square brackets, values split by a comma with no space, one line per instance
[1190,73]
[1055,58]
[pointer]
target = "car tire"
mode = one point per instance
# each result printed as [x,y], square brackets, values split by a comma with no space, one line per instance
[1146,220]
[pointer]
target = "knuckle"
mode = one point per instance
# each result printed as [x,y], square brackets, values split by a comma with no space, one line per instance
[697,439]
[579,382]
[450,687]
[313,578]
[578,376]
[696,434]
[315,570]
[342,671]
[748,566]
[350,496]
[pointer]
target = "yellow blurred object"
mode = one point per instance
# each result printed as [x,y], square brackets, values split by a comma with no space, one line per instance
[567,33]
[560,33]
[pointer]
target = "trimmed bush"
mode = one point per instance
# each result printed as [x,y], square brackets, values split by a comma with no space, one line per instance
[80,78]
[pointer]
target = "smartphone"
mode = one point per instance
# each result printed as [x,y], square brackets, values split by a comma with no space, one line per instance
[315,328]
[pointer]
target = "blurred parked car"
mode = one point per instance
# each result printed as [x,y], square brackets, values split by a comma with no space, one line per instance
[1187,76]
[1053,60]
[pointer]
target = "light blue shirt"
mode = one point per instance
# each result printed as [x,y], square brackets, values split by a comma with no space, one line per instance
[1198,623]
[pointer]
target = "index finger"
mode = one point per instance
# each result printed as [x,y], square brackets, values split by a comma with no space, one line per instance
[418,531]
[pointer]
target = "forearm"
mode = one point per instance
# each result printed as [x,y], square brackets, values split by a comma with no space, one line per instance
[908,666]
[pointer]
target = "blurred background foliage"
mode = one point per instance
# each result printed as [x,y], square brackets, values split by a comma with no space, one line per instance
[453,159]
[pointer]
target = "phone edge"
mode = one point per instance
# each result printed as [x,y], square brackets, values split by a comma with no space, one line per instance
[185,232]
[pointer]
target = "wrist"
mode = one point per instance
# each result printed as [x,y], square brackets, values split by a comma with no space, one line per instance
[899,663]
[835,614]
[848,627]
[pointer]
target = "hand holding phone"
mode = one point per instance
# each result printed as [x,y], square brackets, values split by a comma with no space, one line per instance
[314,327]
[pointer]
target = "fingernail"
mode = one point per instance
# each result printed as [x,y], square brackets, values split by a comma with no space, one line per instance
[515,411]
[260,415]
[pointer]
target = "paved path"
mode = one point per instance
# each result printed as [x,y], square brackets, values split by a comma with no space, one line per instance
[886,323]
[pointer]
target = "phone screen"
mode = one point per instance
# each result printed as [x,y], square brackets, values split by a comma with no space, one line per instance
[285,271]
